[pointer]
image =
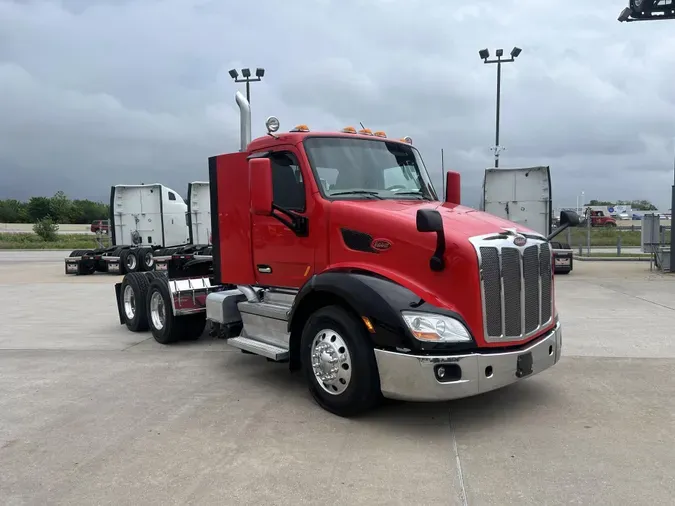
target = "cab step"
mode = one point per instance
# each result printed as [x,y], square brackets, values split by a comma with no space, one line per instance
[270,351]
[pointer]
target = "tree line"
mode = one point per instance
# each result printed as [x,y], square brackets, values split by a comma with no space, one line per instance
[59,209]
[635,205]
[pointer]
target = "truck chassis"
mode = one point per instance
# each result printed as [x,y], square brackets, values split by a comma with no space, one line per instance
[127,259]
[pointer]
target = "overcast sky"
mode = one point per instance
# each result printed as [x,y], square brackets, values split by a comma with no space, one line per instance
[94,92]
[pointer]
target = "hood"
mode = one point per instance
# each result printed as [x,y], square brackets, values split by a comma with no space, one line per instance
[381,236]
[460,222]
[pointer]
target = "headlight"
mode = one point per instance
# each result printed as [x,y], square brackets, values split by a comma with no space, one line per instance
[434,327]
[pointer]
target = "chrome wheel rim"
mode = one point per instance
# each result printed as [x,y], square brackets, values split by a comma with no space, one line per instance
[157,311]
[149,259]
[131,261]
[331,361]
[129,302]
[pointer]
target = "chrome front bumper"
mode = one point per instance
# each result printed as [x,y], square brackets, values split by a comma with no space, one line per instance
[414,377]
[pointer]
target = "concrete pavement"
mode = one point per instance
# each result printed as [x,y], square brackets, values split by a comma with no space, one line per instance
[93,414]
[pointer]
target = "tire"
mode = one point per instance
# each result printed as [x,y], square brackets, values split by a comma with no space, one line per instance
[337,328]
[133,297]
[609,224]
[165,327]
[129,259]
[155,275]
[146,260]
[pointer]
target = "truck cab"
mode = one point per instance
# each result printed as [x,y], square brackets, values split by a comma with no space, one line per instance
[333,252]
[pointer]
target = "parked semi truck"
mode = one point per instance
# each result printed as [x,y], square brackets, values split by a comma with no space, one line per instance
[148,224]
[333,253]
[523,196]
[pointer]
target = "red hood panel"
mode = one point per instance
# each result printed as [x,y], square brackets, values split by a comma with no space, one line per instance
[459,220]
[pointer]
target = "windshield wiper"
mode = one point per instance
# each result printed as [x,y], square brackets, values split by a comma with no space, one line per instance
[358,192]
[419,193]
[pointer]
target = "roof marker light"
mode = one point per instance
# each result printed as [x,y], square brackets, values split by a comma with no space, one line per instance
[366,131]
[301,128]
[407,140]
[380,133]
[349,130]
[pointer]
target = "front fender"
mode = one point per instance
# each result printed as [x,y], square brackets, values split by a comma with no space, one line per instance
[378,298]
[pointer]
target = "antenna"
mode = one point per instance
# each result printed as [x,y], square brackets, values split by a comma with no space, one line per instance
[360,123]
[442,174]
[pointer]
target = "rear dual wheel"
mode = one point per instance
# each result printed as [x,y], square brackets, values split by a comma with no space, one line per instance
[133,295]
[136,260]
[166,327]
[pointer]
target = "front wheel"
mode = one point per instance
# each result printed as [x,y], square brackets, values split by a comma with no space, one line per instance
[339,363]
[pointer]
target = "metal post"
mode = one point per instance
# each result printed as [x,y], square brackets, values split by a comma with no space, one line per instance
[672,235]
[618,245]
[499,92]
[248,91]
[588,236]
[443,174]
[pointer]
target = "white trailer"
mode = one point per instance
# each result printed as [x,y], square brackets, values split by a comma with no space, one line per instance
[523,196]
[175,260]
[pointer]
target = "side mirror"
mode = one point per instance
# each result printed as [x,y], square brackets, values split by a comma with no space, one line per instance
[429,220]
[453,190]
[260,186]
[569,218]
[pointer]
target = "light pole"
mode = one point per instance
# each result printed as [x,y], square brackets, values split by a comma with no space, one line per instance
[246,78]
[485,55]
[650,10]
[582,202]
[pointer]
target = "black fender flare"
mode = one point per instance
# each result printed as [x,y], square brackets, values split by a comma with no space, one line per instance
[379,299]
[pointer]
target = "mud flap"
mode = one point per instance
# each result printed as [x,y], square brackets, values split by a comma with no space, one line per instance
[118,296]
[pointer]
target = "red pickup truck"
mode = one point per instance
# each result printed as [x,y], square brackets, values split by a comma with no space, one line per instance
[600,219]
[100,225]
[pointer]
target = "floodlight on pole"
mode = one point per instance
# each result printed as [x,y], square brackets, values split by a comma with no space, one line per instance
[485,56]
[649,10]
[247,78]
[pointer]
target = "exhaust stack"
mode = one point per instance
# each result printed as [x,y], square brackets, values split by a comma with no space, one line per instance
[245,120]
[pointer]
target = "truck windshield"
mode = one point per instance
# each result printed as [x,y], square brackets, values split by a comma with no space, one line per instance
[368,169]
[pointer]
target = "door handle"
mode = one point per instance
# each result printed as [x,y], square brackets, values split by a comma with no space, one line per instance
[265,269]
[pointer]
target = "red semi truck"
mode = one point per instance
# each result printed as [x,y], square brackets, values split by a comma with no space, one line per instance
[332,252]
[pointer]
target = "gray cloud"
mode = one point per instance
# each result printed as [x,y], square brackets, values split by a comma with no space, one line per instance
[96,93]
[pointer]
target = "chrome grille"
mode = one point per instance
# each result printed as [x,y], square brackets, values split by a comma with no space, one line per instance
[516,286]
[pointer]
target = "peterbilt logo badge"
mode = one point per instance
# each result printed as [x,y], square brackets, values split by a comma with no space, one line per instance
[380,244]
[520,240]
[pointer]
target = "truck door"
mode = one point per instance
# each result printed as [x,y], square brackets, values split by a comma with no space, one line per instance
[280,257]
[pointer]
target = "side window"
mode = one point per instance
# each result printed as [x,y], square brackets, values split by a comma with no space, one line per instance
[172,196]
[288,187]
